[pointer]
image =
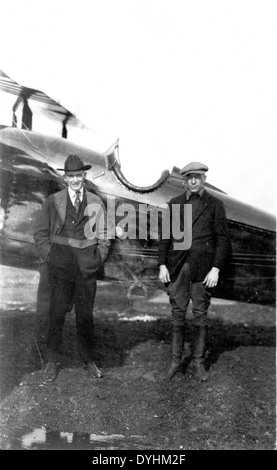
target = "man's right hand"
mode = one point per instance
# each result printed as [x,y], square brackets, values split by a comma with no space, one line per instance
[164,274]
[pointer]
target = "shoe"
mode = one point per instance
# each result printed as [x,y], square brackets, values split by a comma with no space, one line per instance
[93,370]
[50,371]
[174,368]
[198,370]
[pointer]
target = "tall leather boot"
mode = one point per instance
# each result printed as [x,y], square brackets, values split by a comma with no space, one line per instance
[177,343]
[198,352]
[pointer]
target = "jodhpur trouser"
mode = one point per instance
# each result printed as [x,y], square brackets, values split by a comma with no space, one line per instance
[181,291]
[64,292]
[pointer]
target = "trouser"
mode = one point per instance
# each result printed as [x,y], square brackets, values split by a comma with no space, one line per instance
[63,291]
[181,291]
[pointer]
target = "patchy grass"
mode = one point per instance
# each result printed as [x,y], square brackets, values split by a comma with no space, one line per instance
[234,409]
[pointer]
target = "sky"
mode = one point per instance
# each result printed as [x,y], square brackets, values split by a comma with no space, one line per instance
[175,80]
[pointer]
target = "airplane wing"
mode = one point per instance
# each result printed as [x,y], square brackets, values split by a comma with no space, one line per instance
[31,109]
[23,94]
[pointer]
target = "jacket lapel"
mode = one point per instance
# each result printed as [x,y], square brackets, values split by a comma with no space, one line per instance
[60,202]
[90,197]
[203,204]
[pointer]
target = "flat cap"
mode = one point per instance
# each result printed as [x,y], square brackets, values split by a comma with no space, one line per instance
[194,167]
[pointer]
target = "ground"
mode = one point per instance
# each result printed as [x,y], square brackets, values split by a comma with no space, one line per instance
[133,406]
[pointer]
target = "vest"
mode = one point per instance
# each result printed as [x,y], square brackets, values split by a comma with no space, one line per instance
[74,225]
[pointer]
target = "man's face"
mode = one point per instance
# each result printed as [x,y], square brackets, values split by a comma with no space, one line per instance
[195,182]
[75,179]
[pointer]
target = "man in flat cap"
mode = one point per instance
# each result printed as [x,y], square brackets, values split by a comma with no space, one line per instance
[193,273]
[73,256]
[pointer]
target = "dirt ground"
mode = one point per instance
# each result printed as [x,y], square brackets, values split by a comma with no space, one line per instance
[132,406]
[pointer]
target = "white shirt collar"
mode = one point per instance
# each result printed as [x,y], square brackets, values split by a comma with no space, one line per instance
[72,194]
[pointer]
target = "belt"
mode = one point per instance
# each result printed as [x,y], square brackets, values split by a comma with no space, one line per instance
[72,241]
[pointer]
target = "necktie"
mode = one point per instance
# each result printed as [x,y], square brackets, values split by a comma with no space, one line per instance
[77,201]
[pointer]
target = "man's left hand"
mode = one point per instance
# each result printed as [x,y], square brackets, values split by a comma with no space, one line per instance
[211,279]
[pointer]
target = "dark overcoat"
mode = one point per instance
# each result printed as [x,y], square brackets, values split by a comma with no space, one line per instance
[210,239]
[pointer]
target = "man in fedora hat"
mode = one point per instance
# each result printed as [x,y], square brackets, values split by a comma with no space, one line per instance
[73,258]
[193,273]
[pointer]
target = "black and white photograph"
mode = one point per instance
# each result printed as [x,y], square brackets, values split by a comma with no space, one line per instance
[138,228]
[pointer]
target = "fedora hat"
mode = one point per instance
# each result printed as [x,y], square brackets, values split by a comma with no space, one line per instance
[74,163]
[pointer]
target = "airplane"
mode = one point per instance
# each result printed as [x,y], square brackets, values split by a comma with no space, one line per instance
[29,163]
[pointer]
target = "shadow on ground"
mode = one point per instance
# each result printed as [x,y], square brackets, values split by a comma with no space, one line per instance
[133,407]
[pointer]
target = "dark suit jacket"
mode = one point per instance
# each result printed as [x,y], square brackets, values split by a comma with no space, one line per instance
[210,240]
[50,221]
